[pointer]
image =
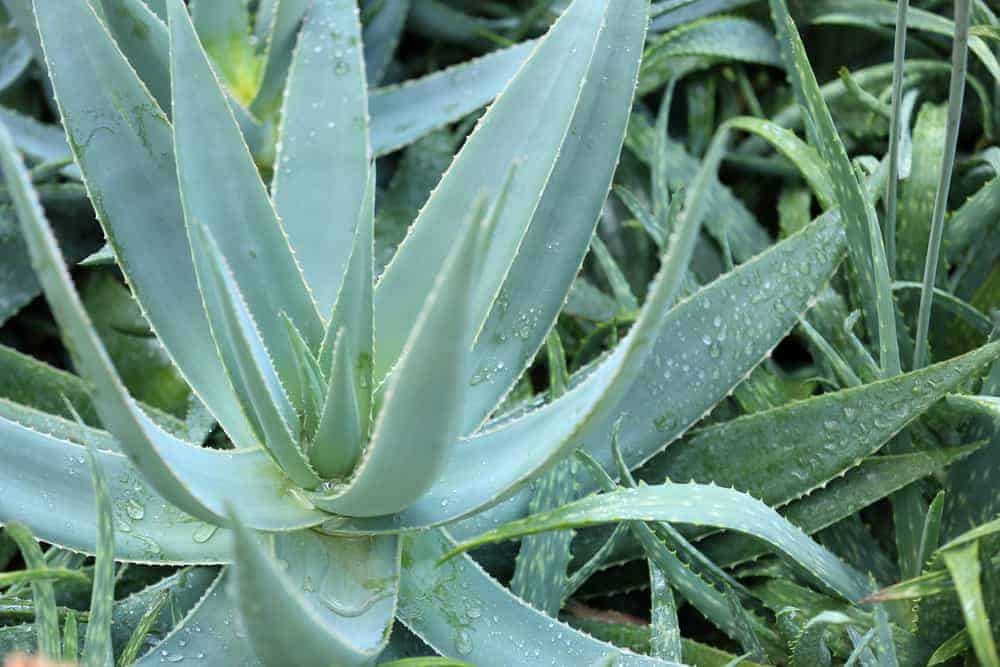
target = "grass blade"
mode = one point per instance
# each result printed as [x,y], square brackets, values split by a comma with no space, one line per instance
[959,63]
[97,650]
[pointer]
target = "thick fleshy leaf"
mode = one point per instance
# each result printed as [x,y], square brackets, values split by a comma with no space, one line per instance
[338,442]
[559,425]
[697,333]
[457,609]
[209,625]
[235,208]
[406,450]
[353,313]
[321,170]
[589,42]
[171,466]
[66,516]
[871,481]
[248,361]
[782,454]
[965,568]
[694,504]
[331,601]
[129,170]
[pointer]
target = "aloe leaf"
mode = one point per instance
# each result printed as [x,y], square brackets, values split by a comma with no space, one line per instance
[142,629]
[181,472]
[404,446]
[40,141]
[821,437]
[235,209]
[456,608]
[931,534]
[695,504]
[884,643]
[972,219]
[733,302]
[713,599]
[49,390]
[97,650]
[730,221]
[321,169]
[964,566]
[137,202]
[561,424]
[353,311]
[334,602]
[916,206]
[249,476]
[42,591]
[381,36]
[184,588]
[874,479]
[543,187]
[403,113]
[280,26]
[864,235]
[248,361]
[224,30]
[710,40]
[802,155]
[665,635]
[338,441]
[543,560]
[216,616]
[142,37]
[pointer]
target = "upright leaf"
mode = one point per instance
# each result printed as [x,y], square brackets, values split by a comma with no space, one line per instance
[124,147]
[321,169]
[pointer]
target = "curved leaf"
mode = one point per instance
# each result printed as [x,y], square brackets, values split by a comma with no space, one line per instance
[698,333]
[381,37]
[180,472]
[65,516]
[124,147]
[695,504]
[784,453]
[323,158]
[458,609]
[281,26]
[333,604]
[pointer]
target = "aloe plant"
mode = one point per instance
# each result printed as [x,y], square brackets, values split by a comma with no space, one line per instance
[376,410]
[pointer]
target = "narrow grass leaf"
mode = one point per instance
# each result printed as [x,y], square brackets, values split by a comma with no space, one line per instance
[97,649]
[42,591]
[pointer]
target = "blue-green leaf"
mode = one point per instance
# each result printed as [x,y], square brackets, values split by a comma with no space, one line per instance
[457,609]
[589,42]
[321,169]
[235,209]
[124,147]
[332,603]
